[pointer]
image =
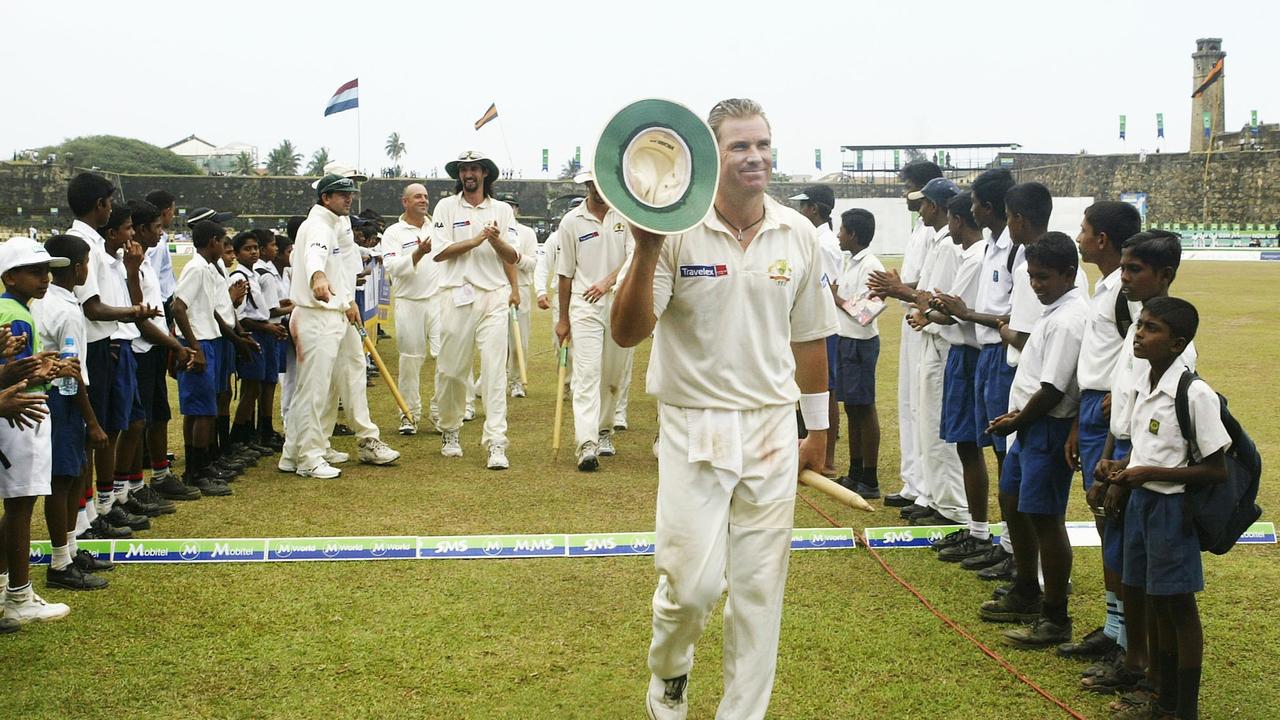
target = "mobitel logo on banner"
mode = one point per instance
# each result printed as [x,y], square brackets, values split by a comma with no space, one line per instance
[342,548]
[822,539]
[226,550]
[605,544]
[42,550]
[491,546]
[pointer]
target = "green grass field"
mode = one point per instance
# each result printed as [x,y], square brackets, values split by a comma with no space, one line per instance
[566,638]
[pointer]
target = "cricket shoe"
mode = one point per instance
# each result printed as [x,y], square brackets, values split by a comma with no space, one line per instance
[435,424]
[375,452]
[517,389]
[605,448]
[26,606]
[450,446]
[407,425]
[323,471]
[588,459]
[498,457]
[469,414]
[335,457]
[666,699]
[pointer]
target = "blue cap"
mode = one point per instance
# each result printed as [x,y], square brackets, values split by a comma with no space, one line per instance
[938,191]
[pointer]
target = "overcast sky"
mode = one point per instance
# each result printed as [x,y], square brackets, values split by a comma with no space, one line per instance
[1052,77]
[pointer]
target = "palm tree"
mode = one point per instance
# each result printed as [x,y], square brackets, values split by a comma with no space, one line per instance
[244,164]
[319,159]
[284,159]
[394,148]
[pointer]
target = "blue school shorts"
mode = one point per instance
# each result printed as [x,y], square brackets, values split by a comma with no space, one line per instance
[198,391]
[959,408]
[226,364]
[67,434]
[991,391]
[1161,554]
[1113,527]
[253,366]
[100,363]
[153,384]
[833,363]
[857,378]
[1036,467]
[124,407]
[1093,433]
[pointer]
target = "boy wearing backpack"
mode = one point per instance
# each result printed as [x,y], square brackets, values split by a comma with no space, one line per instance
[1161,546]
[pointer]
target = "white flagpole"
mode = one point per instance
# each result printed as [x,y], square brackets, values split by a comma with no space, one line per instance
[503,131]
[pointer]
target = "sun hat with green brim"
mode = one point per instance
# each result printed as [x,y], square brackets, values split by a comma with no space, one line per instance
[471,156]
[657,164]
[335,183]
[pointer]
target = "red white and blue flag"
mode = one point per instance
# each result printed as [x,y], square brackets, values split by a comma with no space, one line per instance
[346,97]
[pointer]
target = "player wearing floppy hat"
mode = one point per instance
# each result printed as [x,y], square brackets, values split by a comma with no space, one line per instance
[478,279]
[594,244]
[526,244]
[741,319]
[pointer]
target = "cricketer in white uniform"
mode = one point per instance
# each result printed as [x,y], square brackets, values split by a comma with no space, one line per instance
[525,240]
[324,305]
[741,320]
[594,244]
[477,275]
[407,254]
[544,277]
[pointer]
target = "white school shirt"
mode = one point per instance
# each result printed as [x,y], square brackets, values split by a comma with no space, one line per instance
[269,282]
[95,330]
[152,296]
[197,289]
[526,243]
[58,316]
[1103,345]
[1129,374]
[1157,436]
[1051,354]
[159,259]
[832,255]
[590,248]
[995,285]
[410,281]
[727,318]
[254,306]
[545,270]
[965,287]
[113,287]
[318,249]
[913,254]
[941,264]
[1026,309]
[457,220]
[852,283]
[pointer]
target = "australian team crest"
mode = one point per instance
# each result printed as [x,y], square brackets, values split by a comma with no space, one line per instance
[780,271]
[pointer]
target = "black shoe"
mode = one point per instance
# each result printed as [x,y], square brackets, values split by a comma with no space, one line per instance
[209,487]
[261,448]
[271,439]
[230,464]
[994,555]
[120,518]
[245,450]
[908,511]
[966,548]
[1002,570]
[87,563]
[171,488]
[73,578]
[135,506]
[915,511]
[218,470]
[341,430]
[100,529]
[896,500]
[868,492]
[1092,646]
[1042,633]
[933,518]
[846,482]
[951,538]
[1001,590]
[149,496]
[1012,608]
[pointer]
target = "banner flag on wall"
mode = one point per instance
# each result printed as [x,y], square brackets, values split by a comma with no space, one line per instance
[546,157]
[1122,122]
[817,158]
[1159,125]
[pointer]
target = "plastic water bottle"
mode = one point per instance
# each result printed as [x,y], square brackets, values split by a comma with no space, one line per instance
[68,385]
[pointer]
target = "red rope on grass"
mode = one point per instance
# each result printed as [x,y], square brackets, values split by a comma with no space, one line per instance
[947,620]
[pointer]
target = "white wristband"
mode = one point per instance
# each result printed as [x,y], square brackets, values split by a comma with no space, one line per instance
[814,410]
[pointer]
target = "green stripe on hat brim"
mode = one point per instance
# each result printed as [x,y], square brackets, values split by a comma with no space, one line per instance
[626,125]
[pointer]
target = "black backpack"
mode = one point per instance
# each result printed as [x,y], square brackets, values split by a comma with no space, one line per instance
[1221,513]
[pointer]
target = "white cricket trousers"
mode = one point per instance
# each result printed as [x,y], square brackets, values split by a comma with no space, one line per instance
[288,379]
[908,356]
[417,334]
[480,325]
[597,370]
[317,335]
[719,529]
[939,464]
[351,385]
[624,391]
[525,317]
